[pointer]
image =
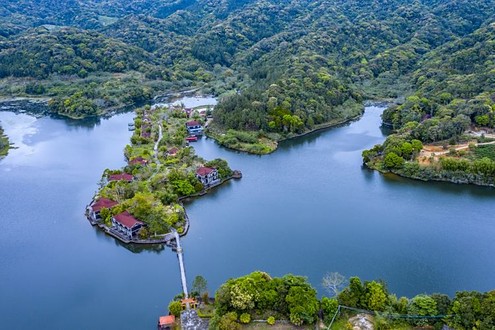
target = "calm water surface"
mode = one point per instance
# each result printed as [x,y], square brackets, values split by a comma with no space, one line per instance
[308,209]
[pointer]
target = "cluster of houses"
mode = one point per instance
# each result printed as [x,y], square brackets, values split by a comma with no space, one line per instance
[202,112]
[146,123]
[124,223]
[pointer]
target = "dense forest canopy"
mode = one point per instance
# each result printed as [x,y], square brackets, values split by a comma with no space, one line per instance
[291,299]
[281,67]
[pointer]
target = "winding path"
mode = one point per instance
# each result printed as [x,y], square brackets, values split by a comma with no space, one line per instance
[155,147]
[435,151]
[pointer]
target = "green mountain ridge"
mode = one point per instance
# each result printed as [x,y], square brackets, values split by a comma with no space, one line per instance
[283,67]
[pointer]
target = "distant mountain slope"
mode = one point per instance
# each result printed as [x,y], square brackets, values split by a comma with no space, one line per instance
[298,59]
[40,52]
[87,14]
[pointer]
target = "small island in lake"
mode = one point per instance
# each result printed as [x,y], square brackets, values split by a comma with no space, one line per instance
[141,203]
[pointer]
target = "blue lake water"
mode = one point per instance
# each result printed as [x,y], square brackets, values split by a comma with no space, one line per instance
[309,208]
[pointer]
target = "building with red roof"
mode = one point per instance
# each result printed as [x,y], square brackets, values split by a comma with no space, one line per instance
[138,161]
[166,322]
[194,128]
[126,224]
[120,177]
[173,151]
[207,175]
[98,204]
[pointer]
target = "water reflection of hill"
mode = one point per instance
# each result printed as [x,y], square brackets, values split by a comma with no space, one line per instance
[39,108]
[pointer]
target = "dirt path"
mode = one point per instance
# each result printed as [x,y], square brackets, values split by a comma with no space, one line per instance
[435,152]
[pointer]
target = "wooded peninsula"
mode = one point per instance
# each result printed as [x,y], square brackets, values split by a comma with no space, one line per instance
[141,203]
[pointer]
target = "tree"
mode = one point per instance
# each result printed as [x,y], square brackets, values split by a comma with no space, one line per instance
[466,310]
[353,294]
[393,161]
[376,296]
[227,321]
[443,303]
[333,282]
[222,167]
[303,304]
[199,285]
[416,145]
[407,150]
[242,296]
[329,307]
[245,318]
[422,305]
[175,308]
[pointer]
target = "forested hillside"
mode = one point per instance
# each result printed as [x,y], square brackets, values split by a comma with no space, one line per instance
[454,96]
[281,67]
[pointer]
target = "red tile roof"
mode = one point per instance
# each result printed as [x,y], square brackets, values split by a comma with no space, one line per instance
[173,151]
[166,320]
[126,219]
[192,138]
[202,171]
[138,160]
[193,123]
[120,177]
[103,203]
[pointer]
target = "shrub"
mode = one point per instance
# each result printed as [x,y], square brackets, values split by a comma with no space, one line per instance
[392,160]
[175,308]
[245,318]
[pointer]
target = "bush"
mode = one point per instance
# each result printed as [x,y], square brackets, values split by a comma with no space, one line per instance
[245,318]
[392,160]
[175,308]
[270,320]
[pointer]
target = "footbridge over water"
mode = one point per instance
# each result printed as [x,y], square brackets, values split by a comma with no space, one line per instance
[181,264]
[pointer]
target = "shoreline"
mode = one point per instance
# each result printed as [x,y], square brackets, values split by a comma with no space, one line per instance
[319,127]
[163,216]
[324,126]
[431,180]
[167,237]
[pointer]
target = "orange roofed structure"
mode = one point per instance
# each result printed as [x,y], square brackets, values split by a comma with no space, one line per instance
[166,322]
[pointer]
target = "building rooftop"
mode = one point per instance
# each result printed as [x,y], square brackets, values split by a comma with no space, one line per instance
[138,160]
[126,219]
[103,203]
[120,177]
[193,123]
[202,171]
[166,320]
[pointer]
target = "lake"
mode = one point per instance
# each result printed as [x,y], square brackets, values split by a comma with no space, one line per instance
[307,209]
